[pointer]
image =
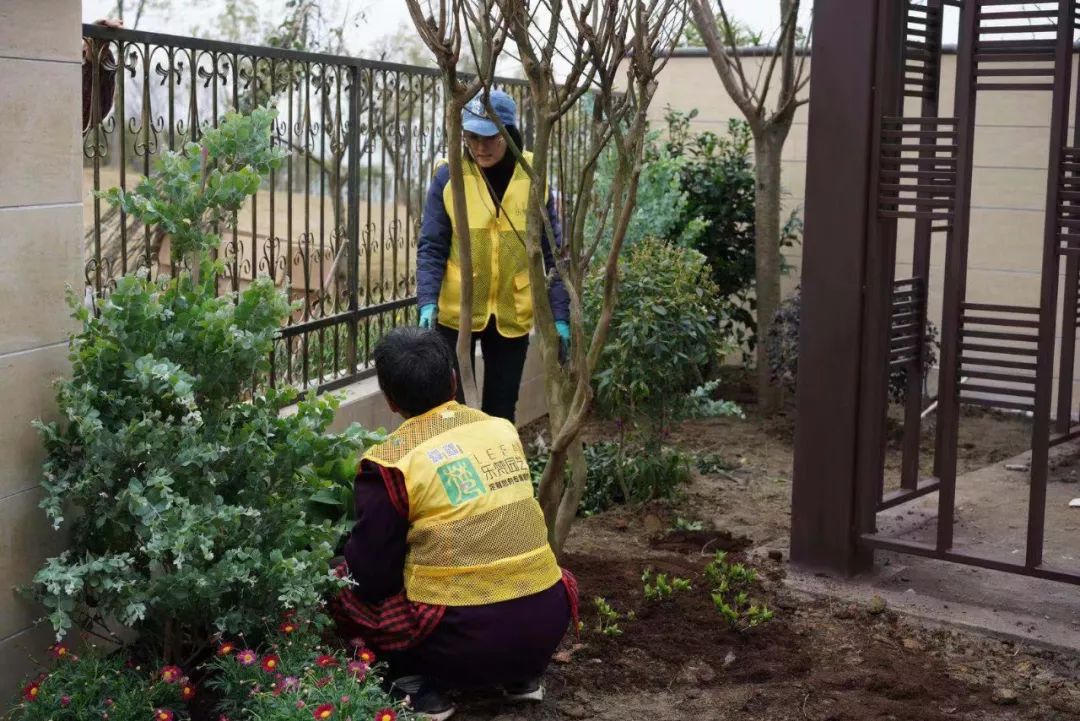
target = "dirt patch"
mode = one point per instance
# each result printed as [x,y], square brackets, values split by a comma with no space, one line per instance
[818,660]
[699,541]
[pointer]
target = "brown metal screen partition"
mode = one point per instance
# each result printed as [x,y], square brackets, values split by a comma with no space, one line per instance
[886,164]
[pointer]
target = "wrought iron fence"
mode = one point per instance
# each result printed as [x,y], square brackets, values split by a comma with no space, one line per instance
[336,227]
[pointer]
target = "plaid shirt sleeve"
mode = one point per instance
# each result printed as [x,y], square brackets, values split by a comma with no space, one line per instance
[375,608]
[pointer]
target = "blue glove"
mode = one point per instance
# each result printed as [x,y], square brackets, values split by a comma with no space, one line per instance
[427,316]
[563,329]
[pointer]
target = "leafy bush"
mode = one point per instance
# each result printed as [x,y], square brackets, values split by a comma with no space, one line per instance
[697,189]
[782,349]
[731,586]
[615,477]
[98,686]
[186,496]
[295,676]
[664,336]
[717,176]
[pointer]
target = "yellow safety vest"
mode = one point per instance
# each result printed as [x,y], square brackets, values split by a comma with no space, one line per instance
[476,533]
[500,264]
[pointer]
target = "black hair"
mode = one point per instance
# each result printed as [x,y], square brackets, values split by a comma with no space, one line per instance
[415,367]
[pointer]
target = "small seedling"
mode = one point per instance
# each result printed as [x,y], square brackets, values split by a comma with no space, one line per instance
[609,617]
[661,588]
[731,584]
[714,463]
[683,524]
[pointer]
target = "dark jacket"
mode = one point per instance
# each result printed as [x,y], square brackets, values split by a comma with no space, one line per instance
[434,249]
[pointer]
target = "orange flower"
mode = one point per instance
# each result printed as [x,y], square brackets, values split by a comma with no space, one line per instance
[386,714]
[187,691]
[323,712]
[171,674]
[59,650]
[366,656]
[270,663]
[287,627]
[226,648]
[163,714]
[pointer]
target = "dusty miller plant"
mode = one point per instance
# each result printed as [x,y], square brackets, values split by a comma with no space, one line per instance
[611,51]
[183,492]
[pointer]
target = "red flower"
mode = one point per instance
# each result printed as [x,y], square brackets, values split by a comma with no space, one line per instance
[270,663]
[163,714]
[287,627]
[226,648]
[366,656]
[358,669]
[187,691]
[326,661]
[171,674]
[325,680]
[247,657]
[65,701]
[59,650]
[323,712]
[386,714]
[31,691]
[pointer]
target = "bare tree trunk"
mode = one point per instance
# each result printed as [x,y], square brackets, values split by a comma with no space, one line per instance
[767,150]
[465,319]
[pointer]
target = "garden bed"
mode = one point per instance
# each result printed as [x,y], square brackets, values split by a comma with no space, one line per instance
[817,659]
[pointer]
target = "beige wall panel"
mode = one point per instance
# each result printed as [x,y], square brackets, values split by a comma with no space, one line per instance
[40,29]
[26,394]
[39,138]
[26,540]
[40,254]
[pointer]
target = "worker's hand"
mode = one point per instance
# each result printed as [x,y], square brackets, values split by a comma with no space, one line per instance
[563,329]
[427,315]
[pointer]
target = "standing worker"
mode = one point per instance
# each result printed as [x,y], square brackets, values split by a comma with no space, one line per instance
[497,194]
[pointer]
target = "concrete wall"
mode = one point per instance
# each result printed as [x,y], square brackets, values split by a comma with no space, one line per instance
[40,252]
[1009,183]
[363,403]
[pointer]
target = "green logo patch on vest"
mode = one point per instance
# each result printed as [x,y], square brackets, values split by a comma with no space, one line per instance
[461,481]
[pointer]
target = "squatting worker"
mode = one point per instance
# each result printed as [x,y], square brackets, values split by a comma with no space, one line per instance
[455,583]
[497,192]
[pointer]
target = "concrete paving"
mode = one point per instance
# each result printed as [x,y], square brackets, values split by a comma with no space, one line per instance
[991,521]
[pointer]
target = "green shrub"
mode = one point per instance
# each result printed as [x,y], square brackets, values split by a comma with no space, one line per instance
[717,177]
[98,686]
[615,477]
[782,349]
[186,497]
[697,189]
[664,337]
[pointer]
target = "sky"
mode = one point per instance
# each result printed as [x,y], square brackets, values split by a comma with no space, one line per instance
[383,16]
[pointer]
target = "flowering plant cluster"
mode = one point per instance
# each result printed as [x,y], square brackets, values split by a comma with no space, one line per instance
[188,497]
[294,676]
[101,687]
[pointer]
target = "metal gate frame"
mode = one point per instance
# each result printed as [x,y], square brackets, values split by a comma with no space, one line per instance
[880,151]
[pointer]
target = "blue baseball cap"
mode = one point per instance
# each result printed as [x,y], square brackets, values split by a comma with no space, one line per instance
[474,117]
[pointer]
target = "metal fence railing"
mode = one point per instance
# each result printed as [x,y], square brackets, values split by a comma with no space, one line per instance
[336,227]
